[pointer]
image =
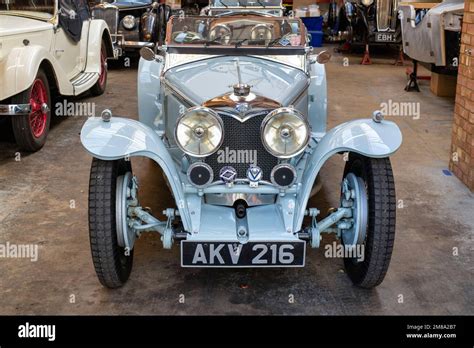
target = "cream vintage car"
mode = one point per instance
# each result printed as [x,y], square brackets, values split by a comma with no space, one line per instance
[48,47]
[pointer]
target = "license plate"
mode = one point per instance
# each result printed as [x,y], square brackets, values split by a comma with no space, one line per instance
[232,254]
[385,37]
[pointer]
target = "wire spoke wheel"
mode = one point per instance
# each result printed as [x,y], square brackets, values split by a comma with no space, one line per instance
[355,187]
[39,113]
[32,129]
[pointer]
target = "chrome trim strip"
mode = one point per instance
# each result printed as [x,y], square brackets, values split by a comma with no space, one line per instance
[137,44]
[14,109]
[234,114]
[220,187]
[83,78]
[182,97]
[303,92]
[228,199]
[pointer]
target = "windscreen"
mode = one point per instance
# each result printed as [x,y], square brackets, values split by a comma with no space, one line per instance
[236,31]
[245,3]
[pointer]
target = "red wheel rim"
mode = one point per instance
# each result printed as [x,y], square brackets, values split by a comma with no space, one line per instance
[103,68]
[38,114]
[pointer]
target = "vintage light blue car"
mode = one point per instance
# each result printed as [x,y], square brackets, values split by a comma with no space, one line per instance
[233,109]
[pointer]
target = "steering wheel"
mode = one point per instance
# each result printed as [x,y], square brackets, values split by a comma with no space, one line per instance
[221,33]
[262,32]
[185,37]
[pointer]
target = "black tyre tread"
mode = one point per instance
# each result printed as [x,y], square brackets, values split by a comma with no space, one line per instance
[381,224]
[106,253]
[21,123]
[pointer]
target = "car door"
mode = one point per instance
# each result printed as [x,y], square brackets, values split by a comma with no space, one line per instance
[70,35]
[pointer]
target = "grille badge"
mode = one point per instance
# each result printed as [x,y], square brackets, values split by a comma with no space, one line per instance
[228,174]
[242,109]
[254,174]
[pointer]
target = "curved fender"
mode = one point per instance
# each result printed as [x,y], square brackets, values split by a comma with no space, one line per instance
[363,136]
[122,137]
[97,27]
[21,67]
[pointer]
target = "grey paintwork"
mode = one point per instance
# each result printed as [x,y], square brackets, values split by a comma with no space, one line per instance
[206,79]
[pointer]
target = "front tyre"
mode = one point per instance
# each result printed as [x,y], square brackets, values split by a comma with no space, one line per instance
[377,175]
[31,130]
[112,263]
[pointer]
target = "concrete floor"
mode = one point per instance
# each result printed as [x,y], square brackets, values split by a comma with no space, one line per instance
[36,192]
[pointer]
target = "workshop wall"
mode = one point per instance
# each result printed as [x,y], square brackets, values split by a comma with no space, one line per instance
[462,161]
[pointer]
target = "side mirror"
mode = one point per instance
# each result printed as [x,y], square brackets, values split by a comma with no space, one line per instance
[323,57]
[147,53]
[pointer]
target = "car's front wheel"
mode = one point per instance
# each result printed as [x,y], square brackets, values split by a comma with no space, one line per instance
[31,130]
[378,187]
[112,262]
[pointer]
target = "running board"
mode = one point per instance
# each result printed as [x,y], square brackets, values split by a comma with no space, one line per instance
[83,82]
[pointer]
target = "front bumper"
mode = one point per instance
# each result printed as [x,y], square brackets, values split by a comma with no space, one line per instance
[14,109]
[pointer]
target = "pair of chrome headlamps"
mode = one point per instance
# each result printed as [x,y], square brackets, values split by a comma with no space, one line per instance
[285,132]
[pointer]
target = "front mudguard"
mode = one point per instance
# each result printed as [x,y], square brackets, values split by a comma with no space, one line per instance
[123,138]
[98,32]
[363,136]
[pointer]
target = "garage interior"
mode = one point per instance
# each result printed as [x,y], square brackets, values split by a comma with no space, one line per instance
[43,200]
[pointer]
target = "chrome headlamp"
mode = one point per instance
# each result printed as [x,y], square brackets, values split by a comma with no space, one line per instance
[128,22]
[285,132]
[367,2]
[199,132]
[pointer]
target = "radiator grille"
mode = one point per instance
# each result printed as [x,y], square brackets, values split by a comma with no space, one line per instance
[243,136]
[387,15]
[110,16]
